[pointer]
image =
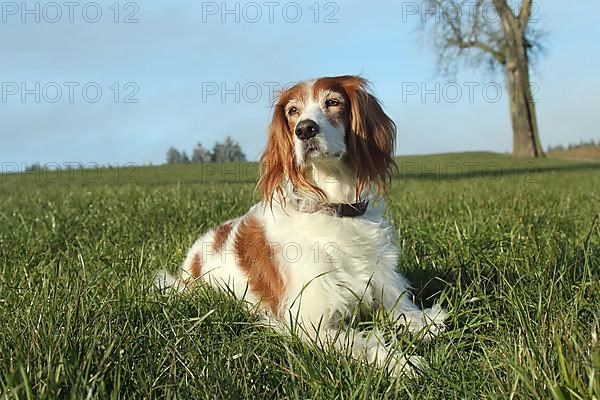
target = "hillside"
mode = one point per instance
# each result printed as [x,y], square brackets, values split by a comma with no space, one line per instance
[589,153]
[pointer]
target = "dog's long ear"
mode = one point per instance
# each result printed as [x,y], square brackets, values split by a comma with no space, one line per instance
[273,165]
[372,137]
[277,163]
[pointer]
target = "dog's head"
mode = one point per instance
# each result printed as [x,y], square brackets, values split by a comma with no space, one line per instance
[329,119]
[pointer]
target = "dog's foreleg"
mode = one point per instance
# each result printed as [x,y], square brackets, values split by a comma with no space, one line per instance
[391,290]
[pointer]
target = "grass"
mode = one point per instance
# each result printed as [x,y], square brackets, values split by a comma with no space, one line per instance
[510,247]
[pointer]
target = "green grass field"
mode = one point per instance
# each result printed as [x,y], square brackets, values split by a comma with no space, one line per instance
[511,248]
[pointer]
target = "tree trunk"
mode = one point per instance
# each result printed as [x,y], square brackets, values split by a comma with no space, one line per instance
[522,113]
[526,140]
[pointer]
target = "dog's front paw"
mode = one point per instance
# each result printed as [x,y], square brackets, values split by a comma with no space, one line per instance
[433,319]
[403,366]
[426,323]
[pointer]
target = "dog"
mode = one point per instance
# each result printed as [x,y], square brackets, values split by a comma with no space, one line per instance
[318,247]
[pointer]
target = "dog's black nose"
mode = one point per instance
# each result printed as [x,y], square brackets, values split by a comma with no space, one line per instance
[307,129]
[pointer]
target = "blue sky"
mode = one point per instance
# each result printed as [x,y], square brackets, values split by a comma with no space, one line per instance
[176,59]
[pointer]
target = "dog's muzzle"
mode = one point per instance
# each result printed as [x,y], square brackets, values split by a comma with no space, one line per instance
[307,129]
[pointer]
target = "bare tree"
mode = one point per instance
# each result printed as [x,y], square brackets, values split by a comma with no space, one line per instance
[490,31]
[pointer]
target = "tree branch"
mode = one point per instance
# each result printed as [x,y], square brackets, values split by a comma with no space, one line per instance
[525,12]
[500,4]
[504,11]
[475,44]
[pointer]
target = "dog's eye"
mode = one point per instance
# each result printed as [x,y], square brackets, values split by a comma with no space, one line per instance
[292,111]
[332,103]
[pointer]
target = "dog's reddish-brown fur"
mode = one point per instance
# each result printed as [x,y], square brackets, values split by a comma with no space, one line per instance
[221,235]
[256,259]
[196,269]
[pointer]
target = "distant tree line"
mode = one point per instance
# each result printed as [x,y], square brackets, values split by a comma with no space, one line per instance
[580,145]
[228,151]
[39,167]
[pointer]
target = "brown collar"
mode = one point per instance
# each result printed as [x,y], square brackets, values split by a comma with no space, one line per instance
[341,210]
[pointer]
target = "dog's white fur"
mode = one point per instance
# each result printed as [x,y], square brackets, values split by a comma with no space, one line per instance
[329,266]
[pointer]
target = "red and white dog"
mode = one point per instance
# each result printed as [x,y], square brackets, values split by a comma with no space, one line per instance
[318,246]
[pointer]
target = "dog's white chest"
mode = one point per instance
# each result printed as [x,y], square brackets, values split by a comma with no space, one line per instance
[329,262]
